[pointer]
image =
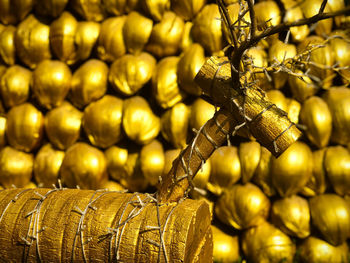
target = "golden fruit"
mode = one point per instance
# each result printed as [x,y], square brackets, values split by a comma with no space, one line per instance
[102,121]
[15,85]
[338,100]
[189,64]
[152,161]
[14,11]
[186,39]
[317,183]
[320,58]
[249,156]
[119,7]
[7,45]
[291,171]
[166,36]
[201,178]
[187,9]
[293,110]
[110,41]
[174,125]
[116,158]
[3,121]
[164,83]
[267,13]
[226,246]
[225,168]
[292,216]
[89,83]
[25,126]
[129,73]
[278,52]
[201,112]
[139,122]
[301,86]
[83,166]
[277,98]
[317,118]
[262,176]
[155,8]
[136,32]
[62,37]
[47,165]
[330,214]
[32,41]
[51,83]
[294,13]
[267,244]
[340,46]
[169,157]
[206,29]
[337,165]
[113,186]
[16,167]
[315,250]
[62,125]
[311,8]
[242,206]
[51,8]
[89,10]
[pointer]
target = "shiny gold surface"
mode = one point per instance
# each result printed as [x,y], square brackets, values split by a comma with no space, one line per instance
[186,39]
[267,13]
[110,41]
[85,166]
[337,165]
[116,158]
[119,7]
[317,118]
[189,64]
[136,32]
[139,122]
[249,157]
[242,206]
[169,157]
[164,83]
[301,88]
[292,216]
[32,41]
[7,45]
[226,246]
[155,8]
[291,171]
[129,73]
[225,168]
[206,29]
[259,58]
[277,98]
[314,250]
[152,161]
[14,11]
[330,214]
[338,100]
[266,244]
[201,112]
[16,167]
[102,121]
[293,110]
[166,36]
[187,9]
[3,121]
[174,125]
[89,82]
[15,85]
[47,165]
[89,10]
[340,47]
[25,127]
[51,83]
[51,8]
[62,125]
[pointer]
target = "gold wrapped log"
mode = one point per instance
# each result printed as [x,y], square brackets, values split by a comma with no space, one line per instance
[267,123]
[101,226]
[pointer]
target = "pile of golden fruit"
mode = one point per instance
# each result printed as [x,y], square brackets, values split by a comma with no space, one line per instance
[100,94]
